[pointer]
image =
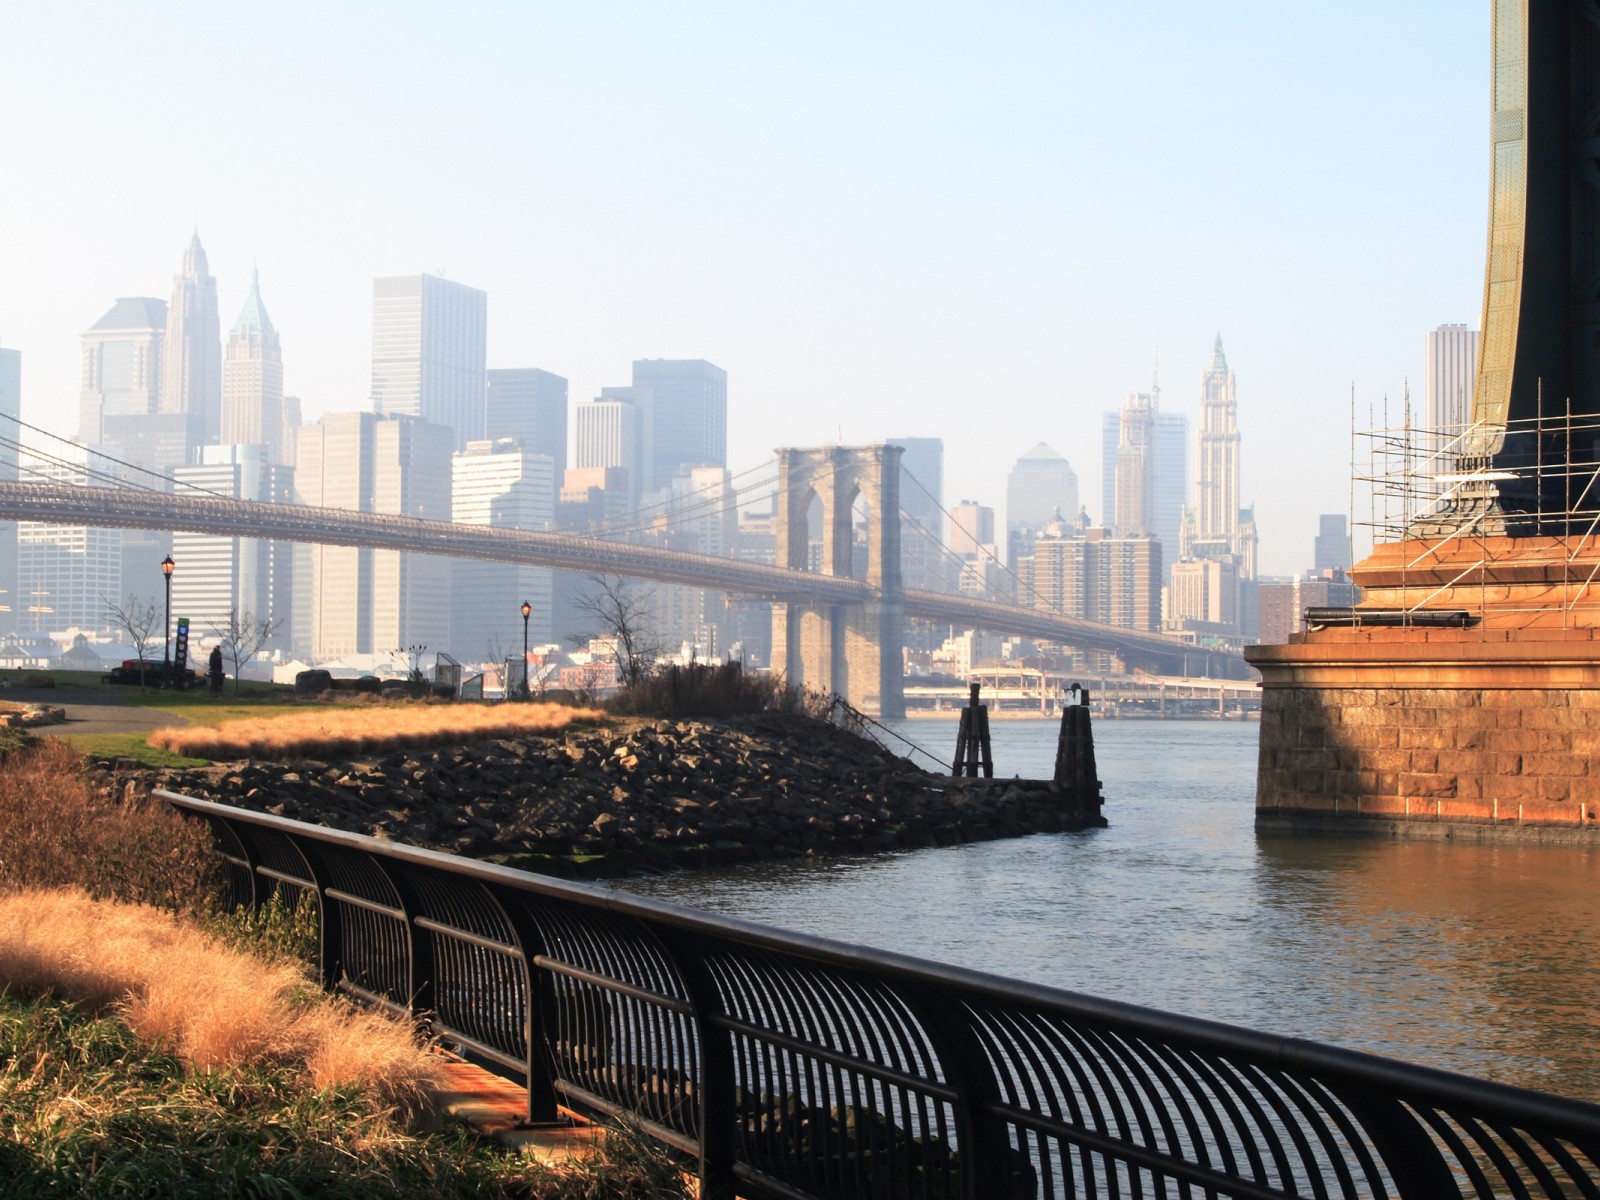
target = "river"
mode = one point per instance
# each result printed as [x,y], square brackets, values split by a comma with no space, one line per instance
[1482,958]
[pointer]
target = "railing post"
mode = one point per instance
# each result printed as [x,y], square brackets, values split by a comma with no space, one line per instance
[714,1095]
[1403,1145]
[540,990]
[330,940]
[419,949]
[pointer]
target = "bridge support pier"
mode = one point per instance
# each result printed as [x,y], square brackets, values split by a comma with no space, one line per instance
[851,650]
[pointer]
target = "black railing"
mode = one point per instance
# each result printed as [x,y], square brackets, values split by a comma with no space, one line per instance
[793,1066]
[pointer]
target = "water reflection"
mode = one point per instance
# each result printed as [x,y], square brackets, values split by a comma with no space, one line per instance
[1480,958]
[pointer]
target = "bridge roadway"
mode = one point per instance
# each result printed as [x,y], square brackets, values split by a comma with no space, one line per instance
[129,508]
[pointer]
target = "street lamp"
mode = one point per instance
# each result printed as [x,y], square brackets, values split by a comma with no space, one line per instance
[526,610]
[166,634]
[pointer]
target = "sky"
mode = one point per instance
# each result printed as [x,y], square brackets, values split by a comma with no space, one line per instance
[884,219]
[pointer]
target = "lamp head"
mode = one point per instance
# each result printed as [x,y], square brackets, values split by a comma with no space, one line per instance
[167,565]
[526,609]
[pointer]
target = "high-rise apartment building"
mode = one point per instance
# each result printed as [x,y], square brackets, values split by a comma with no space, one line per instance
[429,352]
[1041,487]
[218,575]
[686,424]
[1089,574]
[1451,373]
[529,405]
[500,485]
[252,381]
[66,574]
[121,364]
[191,364]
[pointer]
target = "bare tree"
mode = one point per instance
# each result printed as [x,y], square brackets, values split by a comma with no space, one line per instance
[138,620]
[242,636]
[623,614]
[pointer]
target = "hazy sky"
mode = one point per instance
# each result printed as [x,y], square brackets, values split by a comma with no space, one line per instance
[963,221]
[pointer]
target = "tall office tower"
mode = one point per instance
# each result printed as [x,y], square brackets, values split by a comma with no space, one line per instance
[1452,371]
[1134,503]
[1331,550]
[978,569]
[121,356]
[1164,468]
[1041,486]
[687,421]
[67,573]
[530,405]
[411,478]
[249,576]
[501,485]
[429,352]
[1171,490]
[1217,477]
[191,363]
[971,528]
[10,413]
[252,380]
[289,429]
[1087,573]
[922,558]
[333,584]
[609,434]
[699,514]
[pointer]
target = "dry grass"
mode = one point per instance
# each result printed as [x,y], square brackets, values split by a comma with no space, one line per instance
[217,1008]
[331,733]
[56,831]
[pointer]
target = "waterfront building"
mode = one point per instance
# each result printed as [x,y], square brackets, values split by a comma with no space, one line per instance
[252,381]
[686,418]
[121,364]
[216,575]
[1452,370]
[529,405]
[191,364]
[429,352]
[66,573]
[499,485]
[1041,487]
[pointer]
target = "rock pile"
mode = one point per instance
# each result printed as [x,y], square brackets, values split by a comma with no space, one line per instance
[656,796]
[31,716]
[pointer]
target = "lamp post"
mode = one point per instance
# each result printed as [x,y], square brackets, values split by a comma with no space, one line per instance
[166,634]
[526,610]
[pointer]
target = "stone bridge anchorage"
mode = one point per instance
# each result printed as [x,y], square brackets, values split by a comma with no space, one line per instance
[832,631]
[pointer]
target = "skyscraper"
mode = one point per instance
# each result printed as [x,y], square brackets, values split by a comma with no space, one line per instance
[191,365]
[121,358]
[1217,477]
[333,584]
[530,405]
[1041,485]
[687,421]
[217,574]
[1451,372]
[500,485]
[429,352]
[252,380]
[923,566]
[1157,478]
[1331,550]
[67,573]
[410,478]
[10,413]
[609,434]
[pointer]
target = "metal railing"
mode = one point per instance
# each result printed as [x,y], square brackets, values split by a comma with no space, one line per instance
[793,1066]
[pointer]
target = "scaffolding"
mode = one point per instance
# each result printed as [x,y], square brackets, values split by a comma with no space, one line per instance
[1454,495]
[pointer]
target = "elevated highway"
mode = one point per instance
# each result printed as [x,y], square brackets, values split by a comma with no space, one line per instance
[128,508]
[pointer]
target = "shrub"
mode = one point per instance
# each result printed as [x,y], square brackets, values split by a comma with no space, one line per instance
[713,690]
[57,830]
[39,681]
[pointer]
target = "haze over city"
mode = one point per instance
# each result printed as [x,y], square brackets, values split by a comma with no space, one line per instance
[909,221]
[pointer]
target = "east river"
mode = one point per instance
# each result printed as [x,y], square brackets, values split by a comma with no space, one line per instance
[1482,958]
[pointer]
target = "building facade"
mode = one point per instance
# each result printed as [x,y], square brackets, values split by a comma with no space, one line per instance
[499,485]
[10,414]
[1093,575]
[429,353]
[687,421]
[529,405]
[121,365]
[68,574]
[609,435]
[252,381]
[1452,371]
[1041,487]
[191,366]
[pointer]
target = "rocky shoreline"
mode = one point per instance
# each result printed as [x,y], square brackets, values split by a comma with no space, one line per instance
[650,796]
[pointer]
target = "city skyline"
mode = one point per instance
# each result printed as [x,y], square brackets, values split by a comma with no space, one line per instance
[866,304]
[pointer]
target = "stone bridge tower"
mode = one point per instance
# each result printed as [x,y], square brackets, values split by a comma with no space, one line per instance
[853,650]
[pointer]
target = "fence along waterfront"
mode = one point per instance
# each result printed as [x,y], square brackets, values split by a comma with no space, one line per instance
[791,1066]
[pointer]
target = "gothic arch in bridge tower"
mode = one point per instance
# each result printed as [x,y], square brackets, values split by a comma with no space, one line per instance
[852,650]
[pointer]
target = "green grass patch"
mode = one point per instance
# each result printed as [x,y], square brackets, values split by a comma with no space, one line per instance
[128,745]
[64,679]
[87,1111]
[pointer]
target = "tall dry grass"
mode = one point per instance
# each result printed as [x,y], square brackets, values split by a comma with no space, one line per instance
[332,733]
[57,830]
[180,988]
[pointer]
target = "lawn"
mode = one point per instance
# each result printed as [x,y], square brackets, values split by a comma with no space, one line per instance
[128,745]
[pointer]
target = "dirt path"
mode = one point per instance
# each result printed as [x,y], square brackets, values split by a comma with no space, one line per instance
[93,710]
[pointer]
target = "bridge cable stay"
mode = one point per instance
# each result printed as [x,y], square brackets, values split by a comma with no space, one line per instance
[993,592]
[627,522]
[92,452]
[115,482]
